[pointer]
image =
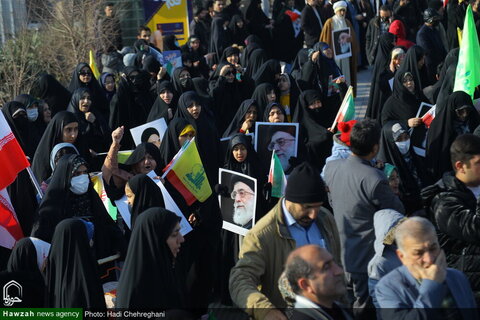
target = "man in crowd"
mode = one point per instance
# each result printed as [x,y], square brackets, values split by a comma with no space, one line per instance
[357,191]
[311,22]
[338,22]
[376,27]
[423,287]
[297,220]
[429,38]
[318,282]
[455,209]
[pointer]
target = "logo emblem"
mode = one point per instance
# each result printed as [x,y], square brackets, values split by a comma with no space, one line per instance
[12,292]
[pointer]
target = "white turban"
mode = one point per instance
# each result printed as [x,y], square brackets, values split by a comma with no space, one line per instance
[339,5]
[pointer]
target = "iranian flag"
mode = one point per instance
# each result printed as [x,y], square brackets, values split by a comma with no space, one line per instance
[13,161]
[10,230]
[347,109]
[12,158]
[429,116]
[276,177]
[99,187]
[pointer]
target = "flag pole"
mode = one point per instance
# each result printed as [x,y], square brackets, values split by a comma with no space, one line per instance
[35,182]
[342,106]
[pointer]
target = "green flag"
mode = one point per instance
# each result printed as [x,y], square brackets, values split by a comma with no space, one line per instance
[468,68]
[276,177]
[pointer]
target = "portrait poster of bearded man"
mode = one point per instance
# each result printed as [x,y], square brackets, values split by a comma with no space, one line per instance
[238,209]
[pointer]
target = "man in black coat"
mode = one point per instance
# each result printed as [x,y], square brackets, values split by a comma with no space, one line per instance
[455,211]
[376,27]
[428,37]
[312,22]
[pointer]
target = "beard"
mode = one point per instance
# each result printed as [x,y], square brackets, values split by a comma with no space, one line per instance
[242,215]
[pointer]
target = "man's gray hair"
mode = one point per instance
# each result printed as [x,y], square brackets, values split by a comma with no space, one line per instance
[295,269]
[415,227]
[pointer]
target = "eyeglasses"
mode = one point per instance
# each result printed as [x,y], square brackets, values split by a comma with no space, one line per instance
[280,142]
[242,193]
[85,73]
[229,73]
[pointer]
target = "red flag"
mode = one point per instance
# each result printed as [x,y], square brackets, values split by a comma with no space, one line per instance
[10,230]
[12,158]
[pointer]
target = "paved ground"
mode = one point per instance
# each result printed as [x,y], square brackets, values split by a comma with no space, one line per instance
[363,92]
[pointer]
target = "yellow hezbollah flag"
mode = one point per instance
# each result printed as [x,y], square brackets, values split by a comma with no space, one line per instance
[187,174]
[93,65]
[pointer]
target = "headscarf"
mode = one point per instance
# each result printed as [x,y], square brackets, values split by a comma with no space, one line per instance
[219,38]
[103,77]
[24,258]
[170,144]
[131,104]
[260,96]
[441,133]
[169,43]
[20,126]
[72,275]
[313,124]
[257,58]
[300,59]
[141,151]
[176,81]
[398,29]
[410,64]
[207,138]
[402,104]
[252,42]
[160,107]
[147,195]
[98,97]
[238,34]
[239,118]
[60,203]
[47,88]
[389,153]
[267,72]
[52,136]
[326,67]
[149,279]
[382,61]
[250,165]
[266,113]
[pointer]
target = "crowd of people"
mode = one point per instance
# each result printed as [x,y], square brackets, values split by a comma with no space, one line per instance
[379,218]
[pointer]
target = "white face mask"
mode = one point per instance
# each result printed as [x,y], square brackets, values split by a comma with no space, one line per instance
[79,184]
[403,146]
[32,114]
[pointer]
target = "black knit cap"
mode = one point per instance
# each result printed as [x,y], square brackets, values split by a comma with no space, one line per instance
[305,185]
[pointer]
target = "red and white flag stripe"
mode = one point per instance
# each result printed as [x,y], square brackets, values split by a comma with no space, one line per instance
[10,230]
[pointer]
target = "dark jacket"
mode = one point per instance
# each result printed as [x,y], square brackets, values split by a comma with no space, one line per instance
[456,215]
[430,40]
[371,39]
[310,25]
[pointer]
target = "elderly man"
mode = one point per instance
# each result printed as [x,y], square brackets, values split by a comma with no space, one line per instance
[297,220]
[283,142]
[423,288]
[243,195]
[337,22]
[318,282]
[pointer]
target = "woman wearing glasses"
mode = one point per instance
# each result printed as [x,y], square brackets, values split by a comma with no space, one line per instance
[83,77]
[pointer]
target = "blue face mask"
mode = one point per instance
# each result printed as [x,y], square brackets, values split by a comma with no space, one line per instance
[32,114]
